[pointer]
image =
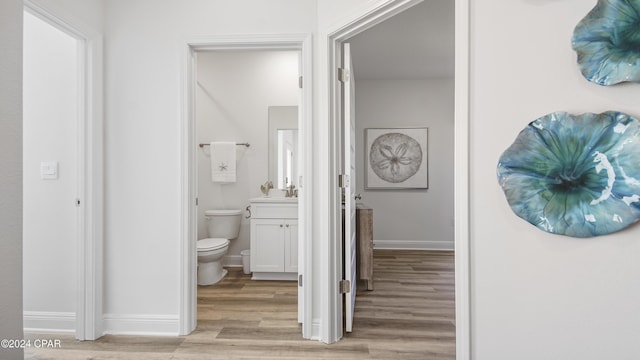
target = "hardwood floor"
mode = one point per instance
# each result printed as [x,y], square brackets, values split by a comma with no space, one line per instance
[408,315]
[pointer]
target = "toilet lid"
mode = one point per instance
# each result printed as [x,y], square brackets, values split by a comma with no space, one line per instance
[212,243]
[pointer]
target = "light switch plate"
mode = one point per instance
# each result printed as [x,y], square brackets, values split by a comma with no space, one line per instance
[49,170]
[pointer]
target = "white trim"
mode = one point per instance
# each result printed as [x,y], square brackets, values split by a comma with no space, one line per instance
[141,325]
[306,188]
[187,253]
[54,19]
[49,322]
[316,324]
[232,261]
[93,196]
[88,315]
[413,245]
[274,276]
[381,10]
[462,234]
[188,222]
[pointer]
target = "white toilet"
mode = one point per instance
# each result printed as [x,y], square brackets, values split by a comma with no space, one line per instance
[222,226]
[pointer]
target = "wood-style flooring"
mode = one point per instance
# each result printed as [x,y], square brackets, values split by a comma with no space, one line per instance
[408,315]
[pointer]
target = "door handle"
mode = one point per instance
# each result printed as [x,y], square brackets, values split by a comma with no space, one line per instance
[358,196]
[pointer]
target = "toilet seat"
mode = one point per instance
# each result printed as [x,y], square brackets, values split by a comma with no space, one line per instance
[212,244]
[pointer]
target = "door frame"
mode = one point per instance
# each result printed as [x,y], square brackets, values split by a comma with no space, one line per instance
[188,222]
[348,165]
[364,20]
[89,147]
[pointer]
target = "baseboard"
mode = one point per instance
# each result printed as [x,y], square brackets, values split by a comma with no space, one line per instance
[274,276]
[151,325]
[315,330]
[232,261]
[413,245]
[49,322]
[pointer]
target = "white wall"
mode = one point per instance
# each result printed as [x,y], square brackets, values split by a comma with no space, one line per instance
[537,295]
[49,134]
[145,42]
[235,90]
[11,175]
[410,218]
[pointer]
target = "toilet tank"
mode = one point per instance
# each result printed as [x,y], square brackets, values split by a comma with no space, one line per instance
[223,223]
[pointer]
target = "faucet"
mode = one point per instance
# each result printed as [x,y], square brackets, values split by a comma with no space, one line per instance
[291,191]
[266,187]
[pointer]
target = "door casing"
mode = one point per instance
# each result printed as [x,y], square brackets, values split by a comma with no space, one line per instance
[332,312]
[188,231]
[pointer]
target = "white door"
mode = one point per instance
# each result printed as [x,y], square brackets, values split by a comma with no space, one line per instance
[51,215]
[349,183]
[301,202]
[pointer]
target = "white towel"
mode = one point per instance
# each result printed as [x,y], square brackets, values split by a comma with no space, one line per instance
[223,161]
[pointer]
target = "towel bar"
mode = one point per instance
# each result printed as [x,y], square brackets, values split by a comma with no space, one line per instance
[239,144]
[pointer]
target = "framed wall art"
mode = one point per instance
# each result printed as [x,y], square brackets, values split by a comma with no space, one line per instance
[575,175]
[396,158]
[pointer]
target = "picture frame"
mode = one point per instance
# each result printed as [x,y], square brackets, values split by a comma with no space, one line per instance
[396,158]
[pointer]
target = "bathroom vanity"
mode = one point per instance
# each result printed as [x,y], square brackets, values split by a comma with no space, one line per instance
[274,238]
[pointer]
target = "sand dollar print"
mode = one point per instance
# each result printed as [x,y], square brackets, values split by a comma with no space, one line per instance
[395,157]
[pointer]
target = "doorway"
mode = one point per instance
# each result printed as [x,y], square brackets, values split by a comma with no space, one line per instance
[62,164]
[239,100]
[50,163]
[284,43]
[460,137]
[236,91]
[408,86]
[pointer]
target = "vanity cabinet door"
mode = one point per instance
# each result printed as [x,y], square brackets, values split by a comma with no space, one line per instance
[291,246]
[267,242]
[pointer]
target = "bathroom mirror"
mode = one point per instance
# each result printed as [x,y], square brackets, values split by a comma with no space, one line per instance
[283,145]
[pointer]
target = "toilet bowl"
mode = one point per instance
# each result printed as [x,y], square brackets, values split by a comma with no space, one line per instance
[222,226]
[210,254]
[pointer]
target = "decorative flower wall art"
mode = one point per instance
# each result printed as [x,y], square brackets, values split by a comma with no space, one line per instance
[396,158]
[575,175]
[607,41]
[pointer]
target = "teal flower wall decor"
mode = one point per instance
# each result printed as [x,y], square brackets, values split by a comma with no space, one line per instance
[607,41]
[575,175]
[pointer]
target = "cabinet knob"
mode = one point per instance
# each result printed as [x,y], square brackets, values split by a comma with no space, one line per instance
[280,225]
[287,225]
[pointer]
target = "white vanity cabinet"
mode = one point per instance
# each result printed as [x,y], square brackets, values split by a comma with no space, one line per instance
[274,239]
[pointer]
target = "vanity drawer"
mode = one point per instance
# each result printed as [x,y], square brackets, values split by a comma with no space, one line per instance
[274,211]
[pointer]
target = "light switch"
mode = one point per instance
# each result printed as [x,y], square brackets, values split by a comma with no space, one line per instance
[49,170]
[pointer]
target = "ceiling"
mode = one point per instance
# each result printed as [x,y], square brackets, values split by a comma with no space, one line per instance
[417,43]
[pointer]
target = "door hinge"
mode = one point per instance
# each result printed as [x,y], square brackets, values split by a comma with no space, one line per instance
[343,181]
[344,286]
[77,202]
[196,201]
[343,74]
[300,280]
[300,82]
